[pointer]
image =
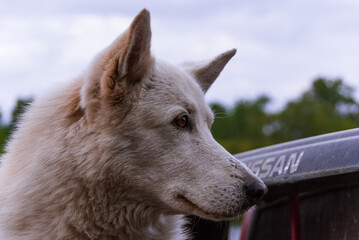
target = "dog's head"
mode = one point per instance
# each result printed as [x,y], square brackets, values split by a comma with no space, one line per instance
[155,129]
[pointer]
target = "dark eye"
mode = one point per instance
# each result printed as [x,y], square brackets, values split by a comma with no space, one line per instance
[181,121]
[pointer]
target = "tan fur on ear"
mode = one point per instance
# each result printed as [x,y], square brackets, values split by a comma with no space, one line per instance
[138,55]
[117,70]
[207,72]
[129,58]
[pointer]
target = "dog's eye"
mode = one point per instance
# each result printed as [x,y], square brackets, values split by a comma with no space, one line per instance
[181,121]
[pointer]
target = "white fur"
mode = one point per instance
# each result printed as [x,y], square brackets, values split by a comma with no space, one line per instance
[102,158]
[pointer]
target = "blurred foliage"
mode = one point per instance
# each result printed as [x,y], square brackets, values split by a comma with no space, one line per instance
[328,106]
[16,114]
[4,133]
[240,128]
[7,129]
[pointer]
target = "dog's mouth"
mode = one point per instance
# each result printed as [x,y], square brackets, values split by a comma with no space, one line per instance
[196,210]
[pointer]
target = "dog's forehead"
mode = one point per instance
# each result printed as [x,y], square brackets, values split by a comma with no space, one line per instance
[170,84]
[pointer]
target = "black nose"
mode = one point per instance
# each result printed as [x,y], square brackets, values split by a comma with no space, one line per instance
[255,189]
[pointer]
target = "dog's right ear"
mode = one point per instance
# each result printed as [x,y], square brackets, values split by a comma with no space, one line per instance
[117,71]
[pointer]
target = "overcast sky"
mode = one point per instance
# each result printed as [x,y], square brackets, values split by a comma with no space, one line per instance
[282,45]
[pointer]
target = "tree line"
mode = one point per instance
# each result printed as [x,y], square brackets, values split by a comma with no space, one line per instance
[328,106]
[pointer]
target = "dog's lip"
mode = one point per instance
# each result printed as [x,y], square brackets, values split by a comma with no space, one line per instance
[211,215]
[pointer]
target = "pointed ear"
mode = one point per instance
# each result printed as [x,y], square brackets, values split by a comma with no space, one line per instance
[207,72]
[137,54]
[127,59]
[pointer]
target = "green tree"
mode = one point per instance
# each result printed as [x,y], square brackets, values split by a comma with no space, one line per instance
[241,127]
[6,130]
[328,106]
[19,109]
[4,133]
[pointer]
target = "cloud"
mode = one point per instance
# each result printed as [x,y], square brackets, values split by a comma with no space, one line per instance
[281,45]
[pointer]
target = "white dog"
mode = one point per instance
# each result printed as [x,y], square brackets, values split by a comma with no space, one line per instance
[122,152]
